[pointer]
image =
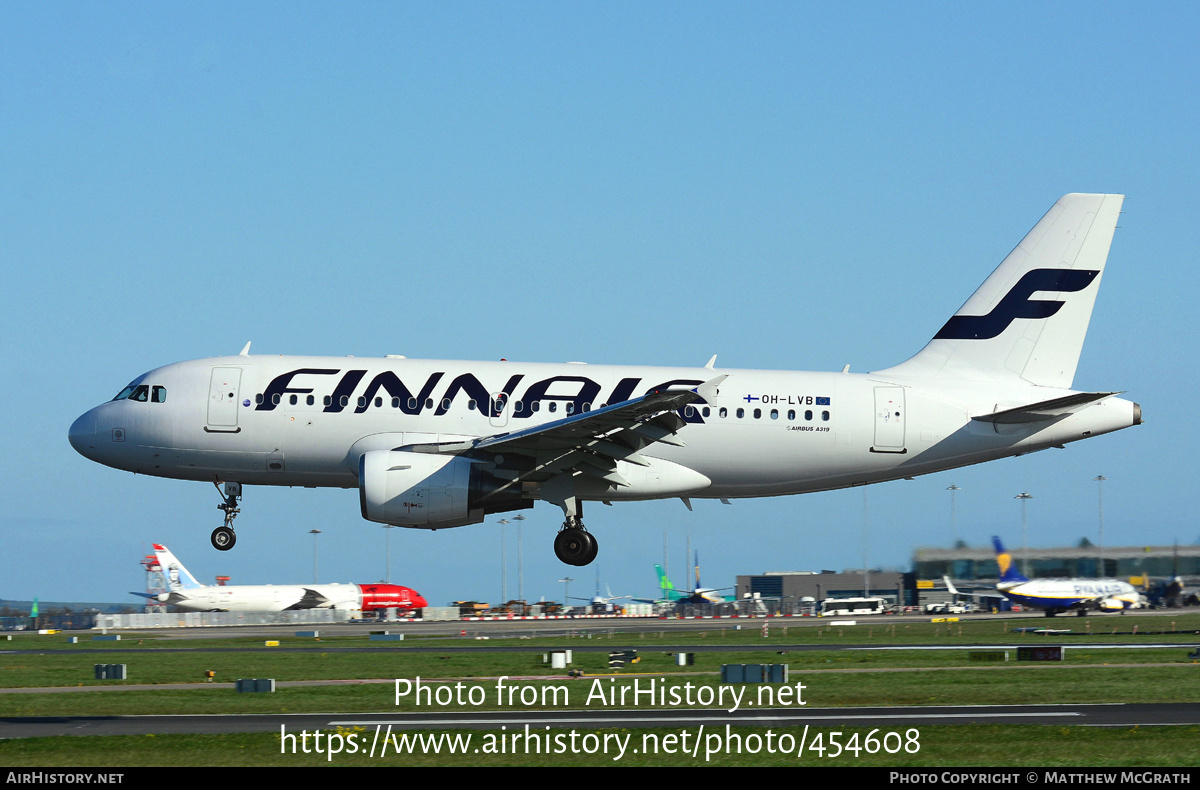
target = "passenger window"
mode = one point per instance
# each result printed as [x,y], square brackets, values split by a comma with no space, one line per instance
[741,413]
[310,400]
[774,414]
[159,395]
[429,403]
[535,406]
[395,403]
[328,400]
[378,402]
[688,411]
[808,414]
[293,400]
[705,411]
[345,399]
[570,408]
[445,404]
[757,413]
[275,399]
[724,412]
[258,398]
[825,416]
[412,403]
[362,402]
[471,404]
[791,414]
[553,405]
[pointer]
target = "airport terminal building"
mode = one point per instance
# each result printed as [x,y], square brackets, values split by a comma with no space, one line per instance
[789,588]
[1090,562]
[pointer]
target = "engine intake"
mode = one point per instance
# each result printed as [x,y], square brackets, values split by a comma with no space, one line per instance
[430,491]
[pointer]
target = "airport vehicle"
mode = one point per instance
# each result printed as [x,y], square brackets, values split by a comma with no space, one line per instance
[841,607]
[189,595]
[1056,596]
[947,607]
[435,444]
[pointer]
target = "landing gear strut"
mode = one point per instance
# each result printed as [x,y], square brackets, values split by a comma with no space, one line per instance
[223,537]
[573,544]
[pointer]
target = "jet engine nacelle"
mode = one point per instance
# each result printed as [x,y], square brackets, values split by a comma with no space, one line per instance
[1112,605]
[430,491]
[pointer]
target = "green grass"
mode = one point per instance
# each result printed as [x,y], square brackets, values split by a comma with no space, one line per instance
[831,678]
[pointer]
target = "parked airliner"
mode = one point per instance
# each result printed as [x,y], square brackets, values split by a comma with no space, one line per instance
[434,444]
[189,595]
[1056,596]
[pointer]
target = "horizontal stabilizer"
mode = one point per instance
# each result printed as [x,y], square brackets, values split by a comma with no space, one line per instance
[1045,410]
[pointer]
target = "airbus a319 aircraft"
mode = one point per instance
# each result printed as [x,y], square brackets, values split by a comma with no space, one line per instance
[189,595]
[435,443]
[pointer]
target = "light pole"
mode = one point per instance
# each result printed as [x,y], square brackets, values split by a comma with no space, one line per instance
[953,489]
[1100,490]
[520,561]
[503,564]
[314,533]
[566,580]
[387,577]
[1024,497]
[866,563]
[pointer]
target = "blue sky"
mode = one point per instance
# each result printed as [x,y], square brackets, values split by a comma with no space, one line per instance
[791,185]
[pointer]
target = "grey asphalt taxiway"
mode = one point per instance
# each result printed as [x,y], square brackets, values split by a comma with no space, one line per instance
[1105,715]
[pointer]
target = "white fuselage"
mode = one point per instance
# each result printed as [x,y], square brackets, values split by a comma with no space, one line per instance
[305,421]
[266,598]
[1104,594]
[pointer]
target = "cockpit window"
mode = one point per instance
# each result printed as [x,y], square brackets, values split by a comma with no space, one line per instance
[142,393]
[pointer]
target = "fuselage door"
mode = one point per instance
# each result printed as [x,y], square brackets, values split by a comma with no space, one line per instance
[223,399]
[889,420]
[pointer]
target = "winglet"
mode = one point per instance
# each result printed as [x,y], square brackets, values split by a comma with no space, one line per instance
[245,352]
[711,362]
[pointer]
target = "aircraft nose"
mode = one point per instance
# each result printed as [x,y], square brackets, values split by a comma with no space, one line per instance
[82,435]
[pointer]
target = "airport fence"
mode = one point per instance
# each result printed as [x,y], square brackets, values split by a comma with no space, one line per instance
[198,619]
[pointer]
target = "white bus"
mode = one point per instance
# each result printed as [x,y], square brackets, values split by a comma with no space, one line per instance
[841,607]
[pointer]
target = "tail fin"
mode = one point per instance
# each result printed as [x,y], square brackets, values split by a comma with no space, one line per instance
[1002,331]
[1008,570]
[178,577]
[664,584]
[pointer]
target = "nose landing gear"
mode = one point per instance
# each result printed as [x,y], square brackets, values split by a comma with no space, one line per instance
[223,538]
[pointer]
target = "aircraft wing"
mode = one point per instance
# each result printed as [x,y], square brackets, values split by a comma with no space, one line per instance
[591,442]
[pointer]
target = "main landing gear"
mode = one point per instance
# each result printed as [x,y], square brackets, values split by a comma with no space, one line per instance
[573,544]
[223,538]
